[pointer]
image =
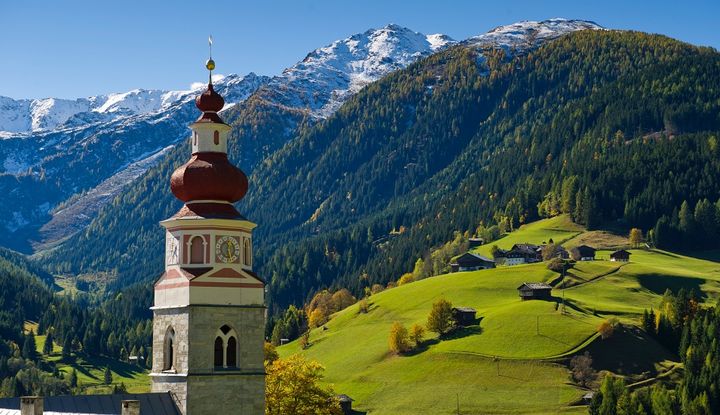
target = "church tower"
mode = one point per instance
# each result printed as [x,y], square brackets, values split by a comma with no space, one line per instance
[209,308]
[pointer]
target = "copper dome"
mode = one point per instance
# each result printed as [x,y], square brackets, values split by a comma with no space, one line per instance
[209,176]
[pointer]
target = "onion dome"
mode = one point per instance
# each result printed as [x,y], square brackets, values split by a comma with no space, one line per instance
[210,103]
[209,176]
[208,182]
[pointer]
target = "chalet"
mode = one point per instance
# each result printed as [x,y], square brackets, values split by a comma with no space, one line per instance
[521,254]
[620,256]
[471,262]
[475,242]
[562,253]
[583,253]
[345,404]
[464,316]
[534,291]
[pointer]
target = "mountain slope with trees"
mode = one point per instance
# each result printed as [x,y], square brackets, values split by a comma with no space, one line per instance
[606,126]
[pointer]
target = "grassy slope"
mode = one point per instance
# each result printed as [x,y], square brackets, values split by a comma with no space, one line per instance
[354,347]
[559,229]
[91,371]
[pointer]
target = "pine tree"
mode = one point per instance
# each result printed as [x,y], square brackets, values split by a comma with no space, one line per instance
[48,346]
[687,223]
[29,349]
[73,379]
[67,347]
[107,376]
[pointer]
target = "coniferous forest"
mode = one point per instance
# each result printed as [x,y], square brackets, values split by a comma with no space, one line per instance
[610,127]
[83,327]
[616,129]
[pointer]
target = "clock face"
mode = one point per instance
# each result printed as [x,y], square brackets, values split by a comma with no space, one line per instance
[171,250]
[227,249]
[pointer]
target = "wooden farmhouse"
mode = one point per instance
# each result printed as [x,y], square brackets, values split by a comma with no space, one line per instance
[464,316]
[534,291]
[583,253]
[475,242]
[471,262]
[620,256]
[520,254]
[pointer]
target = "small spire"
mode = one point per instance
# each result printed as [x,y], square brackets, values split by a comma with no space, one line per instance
[210,64]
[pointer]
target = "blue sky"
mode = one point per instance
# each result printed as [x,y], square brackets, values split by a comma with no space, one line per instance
[75,48]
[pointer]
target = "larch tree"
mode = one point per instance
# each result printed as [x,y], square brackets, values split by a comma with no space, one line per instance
[399,341]
[293,386]
[440,320]
[636,237]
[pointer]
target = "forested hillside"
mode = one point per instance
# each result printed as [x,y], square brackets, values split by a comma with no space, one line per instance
[606,126]
[113,328]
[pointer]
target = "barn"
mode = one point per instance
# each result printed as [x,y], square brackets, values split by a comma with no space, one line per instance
[534,291]
[471,262]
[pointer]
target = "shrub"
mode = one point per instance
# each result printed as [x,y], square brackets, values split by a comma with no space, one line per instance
[406,279]
[305,340]
[607,328]
[363,306]
[581,369]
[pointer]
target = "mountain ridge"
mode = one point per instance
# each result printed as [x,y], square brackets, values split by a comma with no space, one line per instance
[304,93]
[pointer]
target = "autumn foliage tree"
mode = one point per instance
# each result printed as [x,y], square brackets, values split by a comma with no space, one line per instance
[399,341]
[440,320]
[607,328]
[270,353]
[406,279]
[417,333]
[325,303]
[293,387]
[636,237]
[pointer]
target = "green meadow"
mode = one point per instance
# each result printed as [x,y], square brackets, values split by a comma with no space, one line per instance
[513,360]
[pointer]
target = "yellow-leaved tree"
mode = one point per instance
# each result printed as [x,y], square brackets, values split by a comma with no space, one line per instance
[636,237]
[292,387]
[399,341]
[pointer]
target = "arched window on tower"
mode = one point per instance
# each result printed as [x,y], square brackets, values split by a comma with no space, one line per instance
[247,252]
[219,356]
[168,362]
[225,354]
[231,352]
[197,250]
[216,137]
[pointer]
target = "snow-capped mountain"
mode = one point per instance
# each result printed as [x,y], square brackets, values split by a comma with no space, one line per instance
[85,161]
[26,116]
[62,160]
[525,35]
[330,75]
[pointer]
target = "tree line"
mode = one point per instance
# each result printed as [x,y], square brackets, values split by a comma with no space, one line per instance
[683,325]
